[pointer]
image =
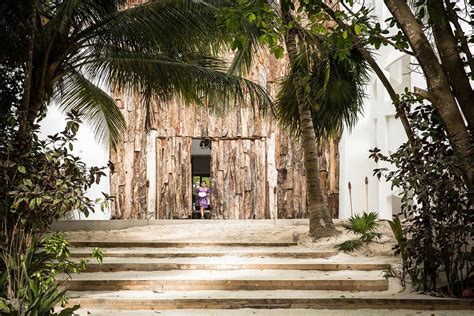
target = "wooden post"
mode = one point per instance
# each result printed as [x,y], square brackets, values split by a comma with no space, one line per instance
[366,194]
[350,195]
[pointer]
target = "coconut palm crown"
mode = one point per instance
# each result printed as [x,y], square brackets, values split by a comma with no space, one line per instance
[158,50]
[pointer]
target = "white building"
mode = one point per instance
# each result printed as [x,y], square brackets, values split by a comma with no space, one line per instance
[377,128]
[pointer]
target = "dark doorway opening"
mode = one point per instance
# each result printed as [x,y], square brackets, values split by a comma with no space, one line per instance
[201,172]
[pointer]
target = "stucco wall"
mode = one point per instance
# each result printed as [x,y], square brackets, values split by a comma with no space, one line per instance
[377,128]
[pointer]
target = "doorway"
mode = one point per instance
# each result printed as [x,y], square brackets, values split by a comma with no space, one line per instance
[200,171]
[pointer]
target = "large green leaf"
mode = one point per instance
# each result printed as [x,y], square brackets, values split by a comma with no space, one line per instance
[97,107]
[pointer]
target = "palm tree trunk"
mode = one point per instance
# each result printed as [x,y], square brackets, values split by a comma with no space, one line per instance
[318,226]
[27,84]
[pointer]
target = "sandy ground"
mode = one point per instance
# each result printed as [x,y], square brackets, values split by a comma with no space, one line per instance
[250,231]
[244,231]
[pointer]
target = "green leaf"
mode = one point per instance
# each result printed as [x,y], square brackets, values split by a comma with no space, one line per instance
[345,34]
[21,169]
[3,306]
[251,17]
[69,311]
[357,29]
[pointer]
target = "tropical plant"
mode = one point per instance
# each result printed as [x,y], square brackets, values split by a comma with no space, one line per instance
[436,204]
[366,226]
[403,248]
[39,292]
[70,50]
[39,186]
[446,62]
[321,93]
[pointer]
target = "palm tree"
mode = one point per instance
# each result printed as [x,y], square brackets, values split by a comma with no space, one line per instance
[159,49]
[321,94]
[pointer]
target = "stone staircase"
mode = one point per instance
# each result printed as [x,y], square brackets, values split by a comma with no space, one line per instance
[151,276]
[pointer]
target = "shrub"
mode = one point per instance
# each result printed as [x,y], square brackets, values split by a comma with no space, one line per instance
[40,265]
[435,203]
[364,225]
[39,186]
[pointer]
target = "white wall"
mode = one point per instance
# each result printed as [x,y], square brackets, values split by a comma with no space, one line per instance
[86,147]
[377,128]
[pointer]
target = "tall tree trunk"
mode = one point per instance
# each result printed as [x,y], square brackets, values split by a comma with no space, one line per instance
[23,130]
[463,40]
[451,61]
[439,88]
[318,219]
[320,225]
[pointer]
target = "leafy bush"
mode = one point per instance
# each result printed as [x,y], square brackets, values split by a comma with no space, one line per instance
[39,268]
[39,186]
[366,226]
[436,205]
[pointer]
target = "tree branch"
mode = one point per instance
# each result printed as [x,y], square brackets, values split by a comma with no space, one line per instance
[382,38]
[437,82]
[422,93]
[378,71]
[451,62]
[453,18]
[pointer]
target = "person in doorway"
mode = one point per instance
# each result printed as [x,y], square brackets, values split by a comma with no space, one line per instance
[203,193]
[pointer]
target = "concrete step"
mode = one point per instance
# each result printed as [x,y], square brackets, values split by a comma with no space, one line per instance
[272,312]
[142,266]
[145,252]
[230,280]
[173,244]
[224,300]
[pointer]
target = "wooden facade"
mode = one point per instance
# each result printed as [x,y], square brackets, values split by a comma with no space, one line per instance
[256,167]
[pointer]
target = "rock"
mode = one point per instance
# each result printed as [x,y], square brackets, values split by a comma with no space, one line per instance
[296,236]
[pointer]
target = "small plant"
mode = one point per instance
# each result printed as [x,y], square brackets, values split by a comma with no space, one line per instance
[402,248]
[38,270]
[366,226]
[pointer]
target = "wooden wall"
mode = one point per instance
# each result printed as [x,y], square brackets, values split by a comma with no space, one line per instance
[239,178]
[257,168]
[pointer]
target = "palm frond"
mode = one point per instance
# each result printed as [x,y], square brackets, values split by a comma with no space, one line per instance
[97,107]
[365,225]
[244,56]
[334,88]
[349,245]
[195,78]
[179,26]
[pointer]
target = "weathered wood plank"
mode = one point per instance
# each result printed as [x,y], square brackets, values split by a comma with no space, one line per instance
[254,172]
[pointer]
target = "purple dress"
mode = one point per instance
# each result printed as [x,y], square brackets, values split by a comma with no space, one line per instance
[202,200]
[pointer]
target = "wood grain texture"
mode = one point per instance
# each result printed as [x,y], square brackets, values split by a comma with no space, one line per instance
[244,140]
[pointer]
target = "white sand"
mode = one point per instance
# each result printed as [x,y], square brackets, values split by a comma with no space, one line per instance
[240,231]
